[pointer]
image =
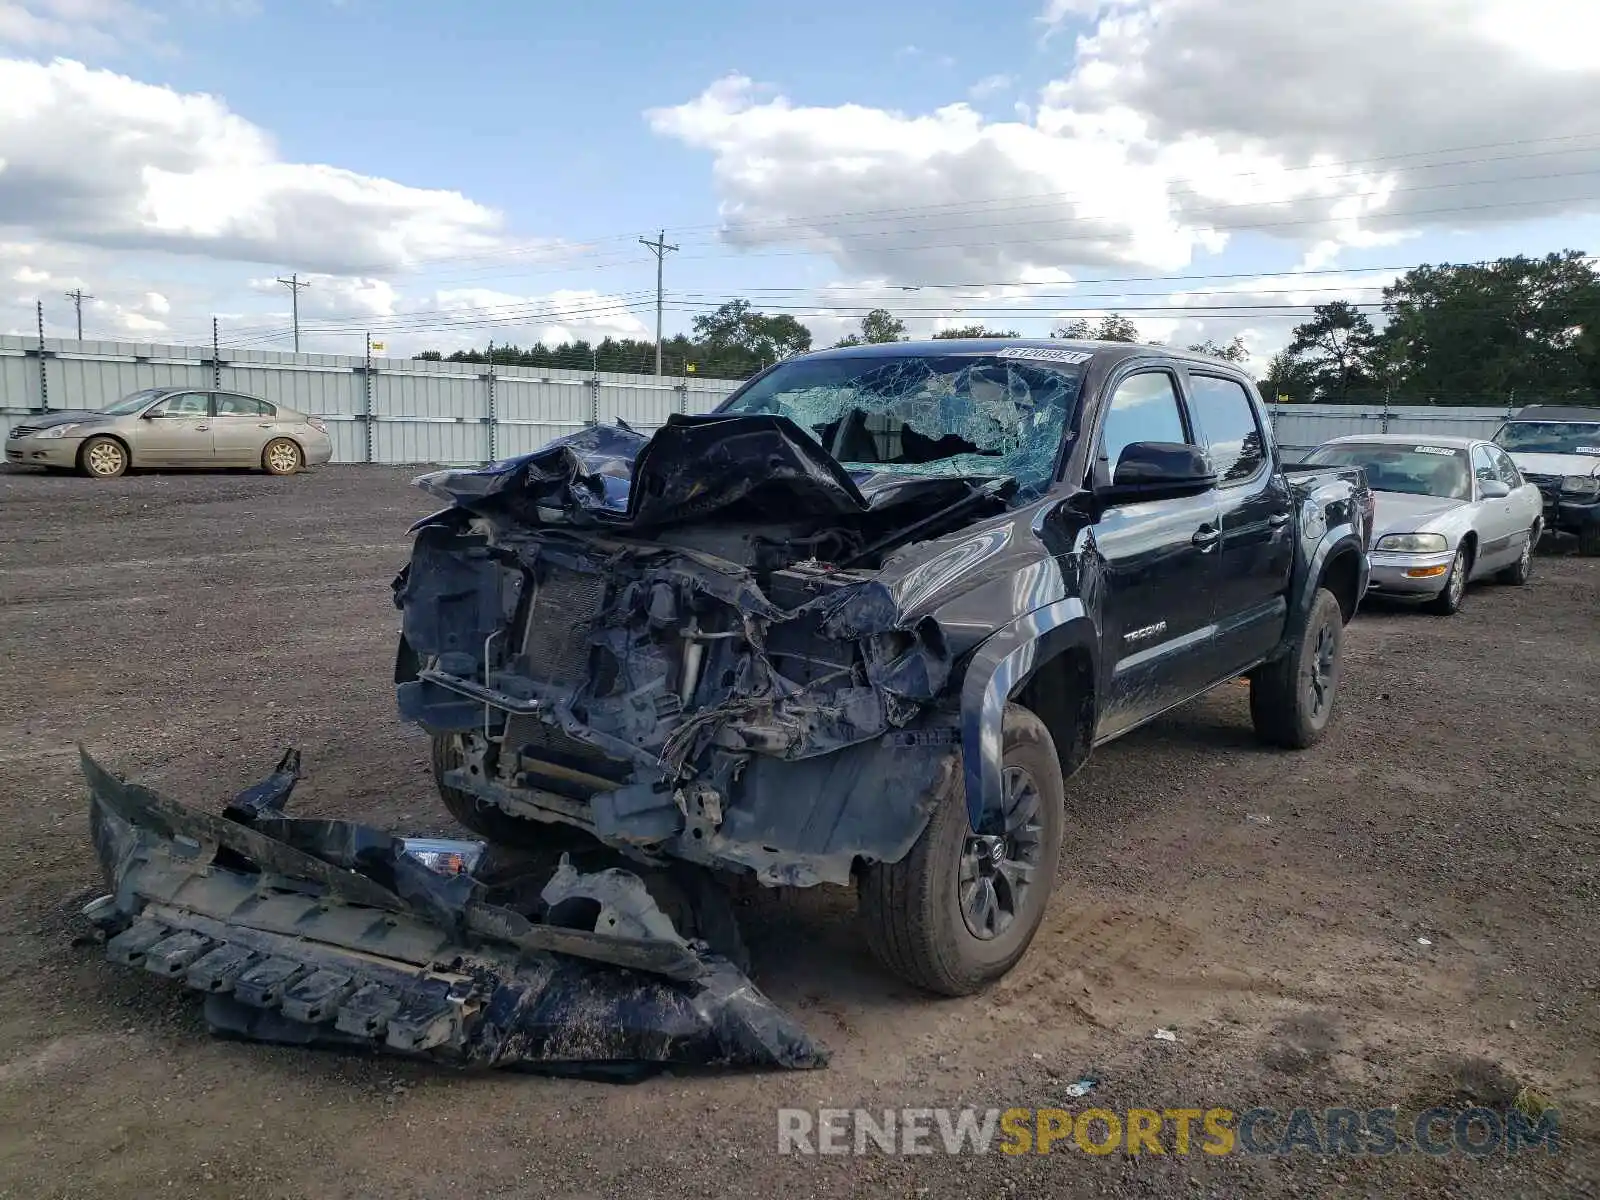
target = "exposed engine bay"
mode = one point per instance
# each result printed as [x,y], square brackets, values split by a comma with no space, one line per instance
[591,648]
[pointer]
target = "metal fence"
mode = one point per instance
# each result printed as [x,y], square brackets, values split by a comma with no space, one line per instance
[400,410]
[381,410]
[1301,427]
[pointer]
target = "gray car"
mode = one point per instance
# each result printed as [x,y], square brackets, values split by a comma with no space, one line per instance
[172,427]
[1449,510]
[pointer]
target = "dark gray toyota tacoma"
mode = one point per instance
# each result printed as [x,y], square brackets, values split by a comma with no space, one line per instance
[864,620]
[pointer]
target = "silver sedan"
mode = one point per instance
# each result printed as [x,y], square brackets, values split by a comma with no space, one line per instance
[1449,510]
[172,427]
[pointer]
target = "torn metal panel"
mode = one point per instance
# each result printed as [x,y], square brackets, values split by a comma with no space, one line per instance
[265,919]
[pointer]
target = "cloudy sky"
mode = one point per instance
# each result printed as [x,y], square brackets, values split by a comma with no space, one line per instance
[448,175]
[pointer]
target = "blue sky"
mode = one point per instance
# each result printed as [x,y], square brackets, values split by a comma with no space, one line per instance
[408,157]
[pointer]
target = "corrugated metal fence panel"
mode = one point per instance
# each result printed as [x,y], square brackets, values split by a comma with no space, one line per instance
[431,442]
[535,400]
[1301,427]
[19,378]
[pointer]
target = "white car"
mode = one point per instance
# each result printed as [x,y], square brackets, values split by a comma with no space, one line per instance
[1557,449]
[1447,511]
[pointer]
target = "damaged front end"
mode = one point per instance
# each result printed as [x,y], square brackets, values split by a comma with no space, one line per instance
[682,646]
[325,932]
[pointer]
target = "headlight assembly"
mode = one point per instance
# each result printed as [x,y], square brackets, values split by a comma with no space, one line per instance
[1414,543]
[56,431]
[1581,485]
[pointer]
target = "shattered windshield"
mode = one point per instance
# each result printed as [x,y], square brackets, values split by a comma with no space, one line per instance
[955,414]
[1550,437]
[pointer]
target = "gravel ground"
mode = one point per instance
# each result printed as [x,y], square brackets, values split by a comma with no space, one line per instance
[1271,909]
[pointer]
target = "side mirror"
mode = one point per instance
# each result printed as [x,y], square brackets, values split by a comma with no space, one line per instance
[150,414]
[1493,489]
[1159,471]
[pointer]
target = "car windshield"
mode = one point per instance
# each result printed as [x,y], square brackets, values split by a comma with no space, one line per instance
[1419,470]
[1550,437]
[130,403]
[998,414]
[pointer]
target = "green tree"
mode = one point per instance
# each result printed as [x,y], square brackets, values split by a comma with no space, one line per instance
[1288,378]
[879,325]
[974,331]
[1338,344]
[1113,328]
[1233,352]
[736,340]
[1484,332]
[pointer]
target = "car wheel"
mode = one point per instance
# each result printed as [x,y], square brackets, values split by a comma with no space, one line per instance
[961,908]
[1517,574]
[281,457]
[1292,698]
[1589,541]
[1448,602]
[103,458]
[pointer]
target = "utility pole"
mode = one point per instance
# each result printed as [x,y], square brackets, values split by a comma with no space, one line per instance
[294,283]
[78,296]
[660,249]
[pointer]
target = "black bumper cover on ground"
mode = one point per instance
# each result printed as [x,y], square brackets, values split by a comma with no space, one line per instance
[320,932]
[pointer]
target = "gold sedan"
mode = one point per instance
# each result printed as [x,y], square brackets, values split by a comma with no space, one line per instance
[172,427]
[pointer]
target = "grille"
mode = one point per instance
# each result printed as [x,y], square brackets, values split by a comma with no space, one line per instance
[22,431]
[560,615]
[1549,485]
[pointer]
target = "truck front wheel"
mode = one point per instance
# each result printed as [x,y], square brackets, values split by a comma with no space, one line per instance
[961,908]
[1292,698]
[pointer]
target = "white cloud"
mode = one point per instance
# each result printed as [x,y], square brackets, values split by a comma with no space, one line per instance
[54,25]
[988,86]
[1180,124]
[99,159]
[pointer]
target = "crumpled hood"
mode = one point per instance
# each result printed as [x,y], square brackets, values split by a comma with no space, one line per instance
[692,467]
[63,417]
[1558,464]
[1398,512]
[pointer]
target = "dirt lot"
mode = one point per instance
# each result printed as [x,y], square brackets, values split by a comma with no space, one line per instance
[1268,907]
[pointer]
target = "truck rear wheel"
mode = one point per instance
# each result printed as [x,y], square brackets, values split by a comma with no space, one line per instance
[961,908]
[1292,698]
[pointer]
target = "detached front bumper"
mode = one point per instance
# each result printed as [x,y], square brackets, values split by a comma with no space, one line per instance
[328,933]
[43,452]
[1419,575]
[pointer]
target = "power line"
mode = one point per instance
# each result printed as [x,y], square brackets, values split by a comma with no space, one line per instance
[78,296]
[660,249]
[294,283]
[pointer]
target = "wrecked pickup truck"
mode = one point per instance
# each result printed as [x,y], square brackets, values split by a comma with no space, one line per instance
[864,620]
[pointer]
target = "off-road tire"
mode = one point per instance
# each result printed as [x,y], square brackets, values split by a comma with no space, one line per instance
[1283,707]
[1454,593]
[912,909]
[277,459]
[87,455]
[1518,572]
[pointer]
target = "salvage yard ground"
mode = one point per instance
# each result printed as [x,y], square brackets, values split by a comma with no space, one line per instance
[1269,908]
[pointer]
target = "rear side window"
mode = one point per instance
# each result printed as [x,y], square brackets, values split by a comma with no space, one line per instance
[1226,422]
[242,406]
[1144,408]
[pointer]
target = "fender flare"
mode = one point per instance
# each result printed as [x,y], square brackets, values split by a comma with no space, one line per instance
[1336,541]
[999,666]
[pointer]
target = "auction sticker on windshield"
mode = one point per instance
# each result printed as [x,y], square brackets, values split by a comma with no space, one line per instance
[1445,450]
[1586,450]
[1044,354]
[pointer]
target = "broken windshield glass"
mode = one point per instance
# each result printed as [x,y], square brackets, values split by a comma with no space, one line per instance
[955,414]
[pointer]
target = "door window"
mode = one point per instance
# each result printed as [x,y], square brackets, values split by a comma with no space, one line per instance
[229,405]
[1507,469]
[1226,422]
[1483,465]
[185,404]
[1144,408]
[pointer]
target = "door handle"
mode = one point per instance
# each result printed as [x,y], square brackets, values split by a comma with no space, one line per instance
[1206,536]
[264,425]
[1278,520]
